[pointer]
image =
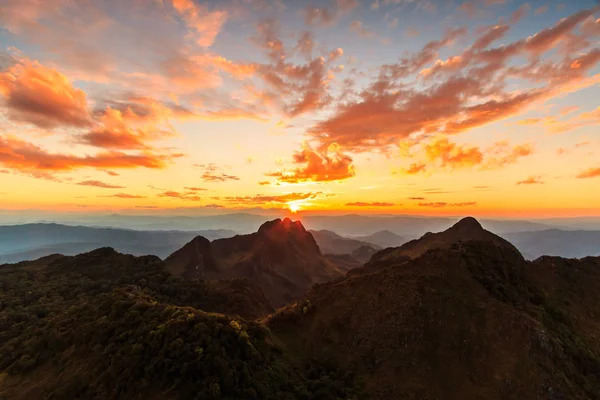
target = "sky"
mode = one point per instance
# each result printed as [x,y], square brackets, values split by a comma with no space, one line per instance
[481,107]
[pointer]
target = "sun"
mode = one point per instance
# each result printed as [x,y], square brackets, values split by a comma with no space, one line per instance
[294,207]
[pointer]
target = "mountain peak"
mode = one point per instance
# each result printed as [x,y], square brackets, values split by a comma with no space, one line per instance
[285,225]
[467,224]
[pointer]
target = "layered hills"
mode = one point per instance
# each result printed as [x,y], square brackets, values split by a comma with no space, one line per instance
[282,258]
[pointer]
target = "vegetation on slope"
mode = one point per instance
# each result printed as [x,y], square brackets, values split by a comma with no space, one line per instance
[104,325]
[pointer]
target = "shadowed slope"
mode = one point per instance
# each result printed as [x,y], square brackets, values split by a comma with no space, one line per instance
[282,258]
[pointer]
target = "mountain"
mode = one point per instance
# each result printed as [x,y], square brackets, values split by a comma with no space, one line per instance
[104,325]
[467,229]
[458,314]
[461,315]
[25,242]
[331,243]
[383,239]
[282,258]
[408,226]
[556,242]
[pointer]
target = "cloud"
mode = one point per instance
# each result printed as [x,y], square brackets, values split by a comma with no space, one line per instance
[100,184]
[275,199]
[415,168]
[416,198]
[328,15]
[204,24]
[442,154]
[126,196]
[112,173]
[470,9]
[212,174]
[286,87]
[329,165]
[541,10]
[521,12]
[27,157]
[42,96]
[441,204]
[179,195]
[194,189]
[360,29]
[470,92]
[589,173]
[133,123]
[532,180]
[264,183]
[375,204]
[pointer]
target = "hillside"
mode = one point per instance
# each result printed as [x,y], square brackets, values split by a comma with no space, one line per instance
[282,258]
[29,241]
[107,325]
[468,319]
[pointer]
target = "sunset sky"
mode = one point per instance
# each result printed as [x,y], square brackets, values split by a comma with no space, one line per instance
[482,107]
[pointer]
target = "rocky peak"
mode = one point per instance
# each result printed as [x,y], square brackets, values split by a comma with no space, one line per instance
[467,225]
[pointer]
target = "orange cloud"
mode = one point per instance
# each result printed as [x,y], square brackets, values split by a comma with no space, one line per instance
[277,199]
[453,155]
[195,189]
[205,25]
[520,13]
[416,198]
[264,183]
[211,173]
[441,204]
[589,173]
[179,195]
[325,16]
[442,154]
[42,96]
[375,204]
[126,196]
[361,30]
[329,165]
[532,180]
[100,184]
[293,89]
[472,94]
[24,156]
[415,169]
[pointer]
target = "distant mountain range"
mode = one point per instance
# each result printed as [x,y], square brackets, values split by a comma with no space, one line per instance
[30,241]
[350,225]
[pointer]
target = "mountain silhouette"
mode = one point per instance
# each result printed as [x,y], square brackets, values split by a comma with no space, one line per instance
[467,229]
[282,258]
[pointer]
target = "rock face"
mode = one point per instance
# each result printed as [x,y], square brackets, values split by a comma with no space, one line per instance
[282,258]
[194,260]
[457,315]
